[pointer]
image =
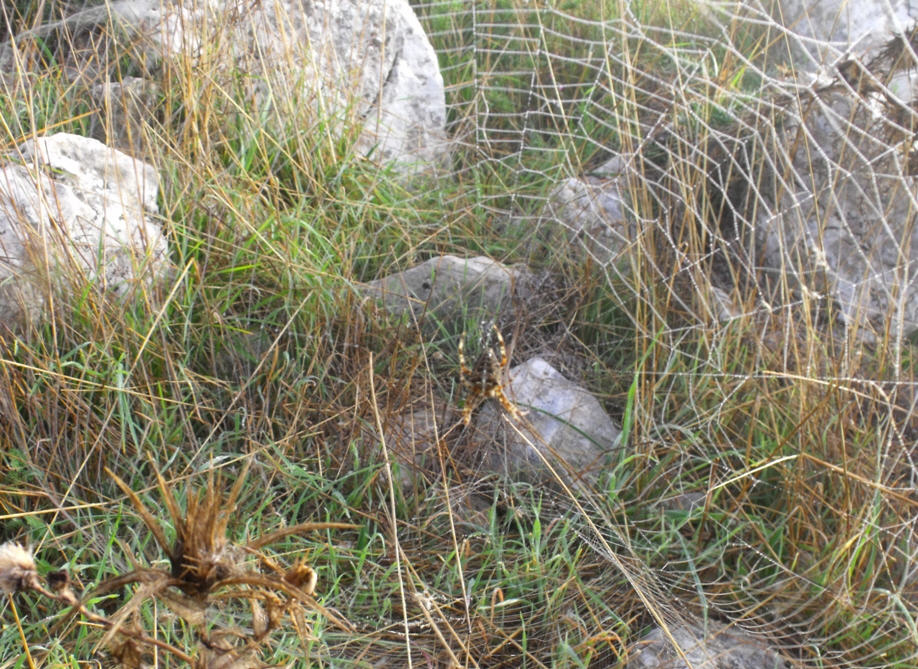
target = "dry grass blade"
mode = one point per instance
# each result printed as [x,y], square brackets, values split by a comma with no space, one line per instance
[147,517]
[237,488]
[272,537]
[178,518]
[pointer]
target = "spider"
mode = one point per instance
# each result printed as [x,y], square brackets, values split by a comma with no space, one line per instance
[485,378]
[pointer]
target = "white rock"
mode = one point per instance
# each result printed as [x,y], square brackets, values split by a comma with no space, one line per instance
[592,214]
[362,59]
[73,211]
[715,648]
[843,227]
[824,31]
[406,123]
[565,426]
[449,288]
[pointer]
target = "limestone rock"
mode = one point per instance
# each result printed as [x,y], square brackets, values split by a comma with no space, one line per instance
[367,60]
[405,112]
[823,31]
[592,213]
[843,224]
[449,289]
[73,211]
[716,648]
[564,424]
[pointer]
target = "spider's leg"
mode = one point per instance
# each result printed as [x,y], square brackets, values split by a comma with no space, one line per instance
[466,382]
[498,392]
[504,361]
[508,405]
[463,370]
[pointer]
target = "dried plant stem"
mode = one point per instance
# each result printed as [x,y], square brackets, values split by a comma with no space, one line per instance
[393,516]
[25,644]
[137,636]
[271,537]
[67,597]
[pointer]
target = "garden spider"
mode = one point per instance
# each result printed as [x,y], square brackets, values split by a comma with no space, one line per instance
[485,378]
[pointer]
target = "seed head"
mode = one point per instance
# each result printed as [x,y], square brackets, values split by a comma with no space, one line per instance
[17,568]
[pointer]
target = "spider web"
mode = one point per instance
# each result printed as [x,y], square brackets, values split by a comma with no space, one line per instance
[734,182]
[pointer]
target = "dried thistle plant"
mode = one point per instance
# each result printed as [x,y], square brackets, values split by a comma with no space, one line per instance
[207,569]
